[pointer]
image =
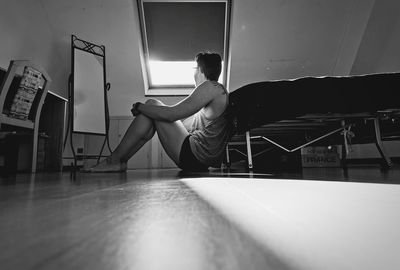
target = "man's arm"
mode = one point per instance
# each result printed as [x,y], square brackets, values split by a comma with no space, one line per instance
[199,98]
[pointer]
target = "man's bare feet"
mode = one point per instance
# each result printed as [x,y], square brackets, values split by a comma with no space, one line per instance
[107,165]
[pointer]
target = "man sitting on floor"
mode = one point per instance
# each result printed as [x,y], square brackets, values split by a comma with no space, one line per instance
[194,144]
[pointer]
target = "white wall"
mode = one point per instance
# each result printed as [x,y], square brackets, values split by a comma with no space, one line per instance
[378,51]
[25,35]
[114,24]
[279,39]
[390,60]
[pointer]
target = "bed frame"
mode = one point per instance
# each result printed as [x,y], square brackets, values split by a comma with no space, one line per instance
[314,108]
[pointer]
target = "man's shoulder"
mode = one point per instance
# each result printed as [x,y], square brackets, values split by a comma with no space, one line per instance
[213,85]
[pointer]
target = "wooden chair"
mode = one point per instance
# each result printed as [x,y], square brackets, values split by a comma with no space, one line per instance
[31,122]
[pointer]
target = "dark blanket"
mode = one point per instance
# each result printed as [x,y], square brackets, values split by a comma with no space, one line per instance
[261,103]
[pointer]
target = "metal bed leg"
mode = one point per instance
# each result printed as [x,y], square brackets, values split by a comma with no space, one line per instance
[228,161]
[344,145]
[249,155]
[387,163]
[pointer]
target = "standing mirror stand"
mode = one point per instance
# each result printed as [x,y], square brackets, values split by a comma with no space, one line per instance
[87,94]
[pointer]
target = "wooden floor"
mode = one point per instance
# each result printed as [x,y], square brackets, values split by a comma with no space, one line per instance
[164,219]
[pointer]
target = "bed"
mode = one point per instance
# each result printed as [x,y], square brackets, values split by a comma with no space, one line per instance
[312,109]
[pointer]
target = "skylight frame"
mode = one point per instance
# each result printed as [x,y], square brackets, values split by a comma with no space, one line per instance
[178,90]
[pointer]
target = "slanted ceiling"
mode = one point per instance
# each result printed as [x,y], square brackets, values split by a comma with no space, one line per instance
[270,39]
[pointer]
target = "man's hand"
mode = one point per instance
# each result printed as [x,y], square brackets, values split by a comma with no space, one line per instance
[135,109]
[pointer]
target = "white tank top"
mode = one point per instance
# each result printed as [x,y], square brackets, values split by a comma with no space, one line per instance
[209,136]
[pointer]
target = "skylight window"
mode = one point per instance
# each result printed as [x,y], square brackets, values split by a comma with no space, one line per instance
[173,32]
[173,73]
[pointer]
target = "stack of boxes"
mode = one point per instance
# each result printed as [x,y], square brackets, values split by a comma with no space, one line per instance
[25,94]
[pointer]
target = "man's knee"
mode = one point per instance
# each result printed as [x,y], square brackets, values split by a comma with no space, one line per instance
[153,101]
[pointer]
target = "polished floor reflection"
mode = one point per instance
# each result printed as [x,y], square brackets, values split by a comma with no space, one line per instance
[165,219]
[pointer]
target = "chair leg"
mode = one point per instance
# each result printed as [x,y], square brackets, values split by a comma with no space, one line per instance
[34,148]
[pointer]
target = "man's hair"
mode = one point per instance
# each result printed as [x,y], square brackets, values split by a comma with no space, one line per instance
[210,64]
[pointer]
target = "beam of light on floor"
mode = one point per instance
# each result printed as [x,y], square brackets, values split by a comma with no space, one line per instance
[156,238]
[313,224]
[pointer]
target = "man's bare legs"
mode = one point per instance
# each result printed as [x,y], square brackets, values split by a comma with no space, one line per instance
[142,129]
[138,133]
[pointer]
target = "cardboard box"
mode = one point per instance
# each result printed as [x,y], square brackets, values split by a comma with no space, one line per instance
[320,156]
